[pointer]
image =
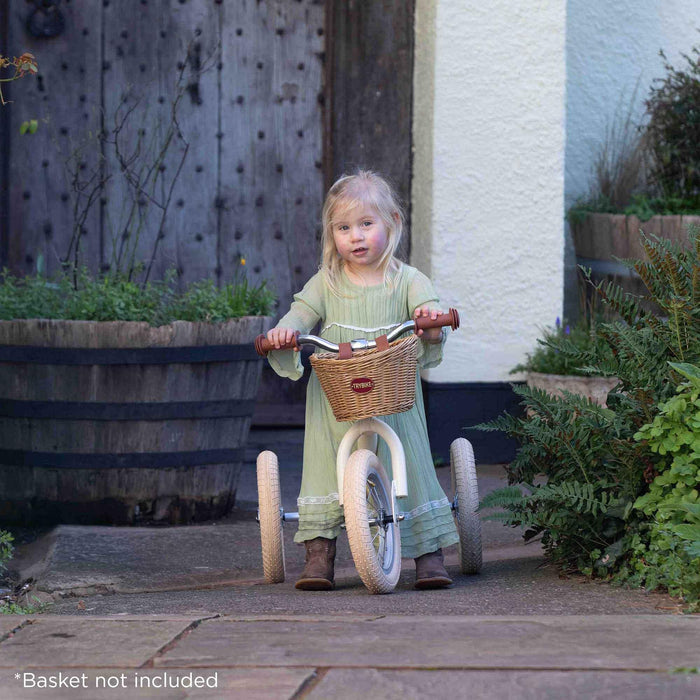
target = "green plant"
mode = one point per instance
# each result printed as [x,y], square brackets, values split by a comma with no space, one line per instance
[641,205]
[579,512]
[619,167]
[29,126]
[595,470]
[652,169]
[669,556]
[6,549]
[113,297]
[548,359]
[673,131]
[30,608]
[620,163]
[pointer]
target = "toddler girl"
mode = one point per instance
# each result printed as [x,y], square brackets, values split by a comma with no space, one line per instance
[361,291]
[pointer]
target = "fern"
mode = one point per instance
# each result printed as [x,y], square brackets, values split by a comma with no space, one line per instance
[505,497]
[582,498]
[619,301]
[593,468]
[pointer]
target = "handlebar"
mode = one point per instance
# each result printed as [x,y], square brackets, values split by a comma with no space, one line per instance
[451,318]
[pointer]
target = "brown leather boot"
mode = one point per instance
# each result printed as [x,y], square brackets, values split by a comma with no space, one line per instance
[318,571]
[430,571]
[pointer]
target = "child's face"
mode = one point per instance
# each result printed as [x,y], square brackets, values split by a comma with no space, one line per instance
[360,236]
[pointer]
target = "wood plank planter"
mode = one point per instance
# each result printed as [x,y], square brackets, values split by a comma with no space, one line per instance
[601,238]
[121,422]
[594,388]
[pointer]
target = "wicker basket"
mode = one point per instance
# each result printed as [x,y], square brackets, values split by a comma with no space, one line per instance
[370,383]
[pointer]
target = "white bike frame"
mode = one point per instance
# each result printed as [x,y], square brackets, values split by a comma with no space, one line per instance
[365,433]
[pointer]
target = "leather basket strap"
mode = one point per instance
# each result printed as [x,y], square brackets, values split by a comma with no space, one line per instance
[382,342]
[345,352]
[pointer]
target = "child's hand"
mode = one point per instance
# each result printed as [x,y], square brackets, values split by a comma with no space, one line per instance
[432,335]
[281,336]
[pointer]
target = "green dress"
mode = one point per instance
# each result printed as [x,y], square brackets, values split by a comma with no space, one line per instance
[366,312]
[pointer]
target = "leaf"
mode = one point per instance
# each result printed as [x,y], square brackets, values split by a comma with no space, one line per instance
[687,532]
[690,372]
[692,509]
[30,126]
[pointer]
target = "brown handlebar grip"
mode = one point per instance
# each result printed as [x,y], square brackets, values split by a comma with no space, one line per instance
[263,345]
[451,318]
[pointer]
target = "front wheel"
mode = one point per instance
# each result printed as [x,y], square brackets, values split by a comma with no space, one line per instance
[466,493]
[375,540]
[270,517]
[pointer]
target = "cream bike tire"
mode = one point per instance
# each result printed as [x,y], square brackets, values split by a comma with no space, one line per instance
[466,492]
[376,548]
[270,517]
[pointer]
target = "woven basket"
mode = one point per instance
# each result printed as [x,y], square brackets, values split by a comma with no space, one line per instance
[370,383]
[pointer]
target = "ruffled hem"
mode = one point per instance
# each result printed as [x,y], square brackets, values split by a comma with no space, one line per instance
[428,532]
[427,545]
[409,533]
[411,539]
[304,534]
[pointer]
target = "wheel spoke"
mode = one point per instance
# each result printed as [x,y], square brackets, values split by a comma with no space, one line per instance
[379,543]
[377,508]
[375,499]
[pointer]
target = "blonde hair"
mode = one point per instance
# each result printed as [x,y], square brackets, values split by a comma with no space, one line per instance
[363,188]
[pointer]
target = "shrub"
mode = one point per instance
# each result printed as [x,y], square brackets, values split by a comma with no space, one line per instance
[673,131]
[652,169]
[114,297]
[547,358]
[595,468]
[668,555]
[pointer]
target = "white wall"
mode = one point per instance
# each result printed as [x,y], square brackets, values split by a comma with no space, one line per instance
[488,174]
[612,47]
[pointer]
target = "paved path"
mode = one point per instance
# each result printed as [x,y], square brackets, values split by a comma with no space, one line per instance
[135,608]
[360,656]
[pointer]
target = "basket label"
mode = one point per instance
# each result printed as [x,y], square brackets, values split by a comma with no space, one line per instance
[362,385]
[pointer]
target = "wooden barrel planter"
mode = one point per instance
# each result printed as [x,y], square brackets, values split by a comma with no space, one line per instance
[601,240]
[121,422]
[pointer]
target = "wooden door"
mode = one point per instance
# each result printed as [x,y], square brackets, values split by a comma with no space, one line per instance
[280,98]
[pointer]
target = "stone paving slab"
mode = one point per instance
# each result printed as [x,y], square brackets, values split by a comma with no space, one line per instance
[70,641]
[633,642]
[114,684]
[119,559]
[511,587]
[86,560]
[345,684]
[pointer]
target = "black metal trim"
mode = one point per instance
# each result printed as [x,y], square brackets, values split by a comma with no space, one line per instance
[134,460]
[93,410]
[127,356]
[607,267]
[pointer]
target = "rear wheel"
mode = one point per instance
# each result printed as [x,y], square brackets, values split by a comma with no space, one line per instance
[375,540]
[466,493]
[270,517]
